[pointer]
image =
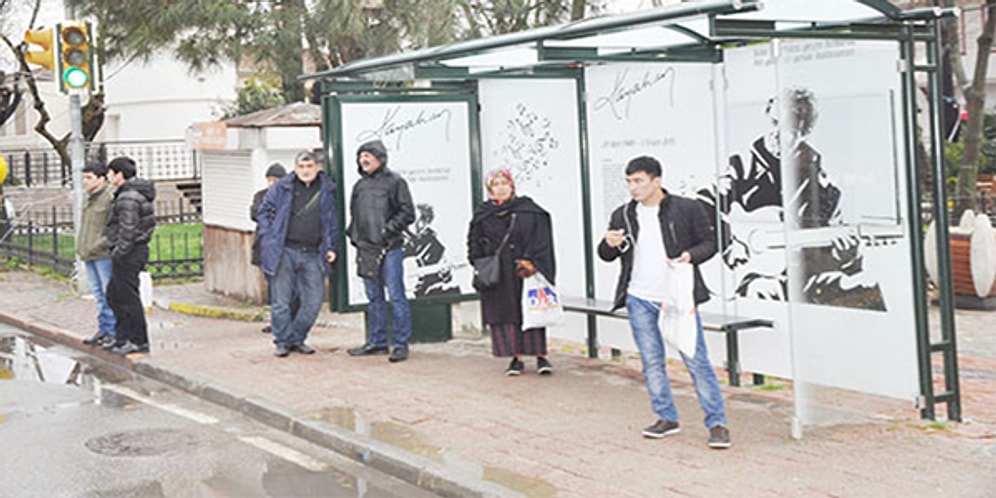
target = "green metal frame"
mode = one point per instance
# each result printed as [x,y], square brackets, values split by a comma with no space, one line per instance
[908,28]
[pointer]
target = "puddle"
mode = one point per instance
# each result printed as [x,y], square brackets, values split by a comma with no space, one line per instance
[27,359]
[404,437]
[341,416]
[528,486]
[143,442]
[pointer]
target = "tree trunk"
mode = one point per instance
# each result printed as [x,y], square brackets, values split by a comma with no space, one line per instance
[577,9]
[975,98]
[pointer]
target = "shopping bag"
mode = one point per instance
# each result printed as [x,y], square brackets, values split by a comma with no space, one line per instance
[540,304]
[677,320]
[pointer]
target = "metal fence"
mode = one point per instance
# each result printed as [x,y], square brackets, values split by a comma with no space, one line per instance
[175,251]
[156,160]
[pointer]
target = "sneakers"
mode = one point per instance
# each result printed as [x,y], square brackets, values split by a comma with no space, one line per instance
[281,350]
[129,347]
[719,437]
[662,428]
[398,354]
[367,350]
[302,348]
[98,339]
[543,366]
[515,367]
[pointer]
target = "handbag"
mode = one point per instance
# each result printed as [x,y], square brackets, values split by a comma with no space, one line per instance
[540,303]
[487,269]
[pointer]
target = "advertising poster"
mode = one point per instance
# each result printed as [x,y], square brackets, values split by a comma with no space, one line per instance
[812,195]
[661,110]
[530,126]
[428,143]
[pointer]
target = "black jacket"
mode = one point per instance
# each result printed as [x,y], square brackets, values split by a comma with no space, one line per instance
[132,218]
[381,208]
[530,239]
[257,201]
[685,226]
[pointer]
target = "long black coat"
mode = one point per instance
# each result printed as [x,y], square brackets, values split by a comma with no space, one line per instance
[531,239]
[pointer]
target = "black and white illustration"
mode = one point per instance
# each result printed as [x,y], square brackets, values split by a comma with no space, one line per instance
[428,269]
[758,220]
[527,145]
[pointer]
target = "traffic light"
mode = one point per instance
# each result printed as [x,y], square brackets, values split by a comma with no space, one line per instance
[45,39]
[75,56]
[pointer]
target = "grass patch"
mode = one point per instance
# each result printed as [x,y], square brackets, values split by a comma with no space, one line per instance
[169,242]
[771,387]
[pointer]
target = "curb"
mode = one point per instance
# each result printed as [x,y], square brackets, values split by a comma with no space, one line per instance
[401,464]
[411,468]
[212,311]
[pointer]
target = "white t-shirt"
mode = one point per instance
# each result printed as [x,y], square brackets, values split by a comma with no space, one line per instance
[649,257]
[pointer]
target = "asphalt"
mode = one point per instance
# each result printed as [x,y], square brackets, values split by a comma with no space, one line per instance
[449,421]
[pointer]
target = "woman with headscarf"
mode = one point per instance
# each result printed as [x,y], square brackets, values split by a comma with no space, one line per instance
[528,249]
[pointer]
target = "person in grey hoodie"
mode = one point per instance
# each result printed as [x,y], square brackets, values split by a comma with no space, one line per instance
[92,248]
[381,208]
[129,231]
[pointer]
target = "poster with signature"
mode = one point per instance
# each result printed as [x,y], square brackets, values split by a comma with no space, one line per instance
[428,143]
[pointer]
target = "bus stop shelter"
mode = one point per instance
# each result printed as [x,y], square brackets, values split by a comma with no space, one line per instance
[796,122]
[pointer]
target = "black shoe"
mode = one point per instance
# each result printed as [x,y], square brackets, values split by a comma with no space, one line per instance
[719,437]
[267,330]
[97,339]
[399,354]
[543,366]
[129,348]
[662,428]
[111,344]
[515,368]
[282,350]
[302,348]
[367,350]
[108,339]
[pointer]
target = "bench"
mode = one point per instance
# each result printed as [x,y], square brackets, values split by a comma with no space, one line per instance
[714,322]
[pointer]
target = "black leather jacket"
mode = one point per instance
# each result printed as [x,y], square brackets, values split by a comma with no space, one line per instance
[685,227]
[132,218]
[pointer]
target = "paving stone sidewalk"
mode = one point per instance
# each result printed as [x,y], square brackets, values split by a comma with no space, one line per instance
[450,410]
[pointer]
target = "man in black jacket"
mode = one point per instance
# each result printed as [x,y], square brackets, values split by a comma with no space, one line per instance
[644,234]
[129,230]
[381,209]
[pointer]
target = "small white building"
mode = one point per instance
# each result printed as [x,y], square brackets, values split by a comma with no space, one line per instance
[231,174]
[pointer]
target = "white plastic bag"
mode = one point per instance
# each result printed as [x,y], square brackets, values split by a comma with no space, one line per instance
[540,304]
[677,319]
[145,289]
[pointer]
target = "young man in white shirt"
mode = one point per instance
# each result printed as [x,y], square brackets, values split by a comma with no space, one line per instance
[644,234]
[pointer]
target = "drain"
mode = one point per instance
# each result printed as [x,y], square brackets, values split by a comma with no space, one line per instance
[142,442]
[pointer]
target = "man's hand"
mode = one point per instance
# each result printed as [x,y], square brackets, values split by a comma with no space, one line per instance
[684,258]
[330,257]
[615,238]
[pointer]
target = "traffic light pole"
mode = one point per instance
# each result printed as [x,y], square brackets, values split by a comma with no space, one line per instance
[77,156]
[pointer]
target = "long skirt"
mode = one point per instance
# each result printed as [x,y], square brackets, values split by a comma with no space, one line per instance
[508,339]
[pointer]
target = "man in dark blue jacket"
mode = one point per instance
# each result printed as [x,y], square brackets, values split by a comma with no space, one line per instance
[297,233]
[644,234]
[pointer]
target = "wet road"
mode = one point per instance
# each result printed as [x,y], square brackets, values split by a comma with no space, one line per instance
[75,427]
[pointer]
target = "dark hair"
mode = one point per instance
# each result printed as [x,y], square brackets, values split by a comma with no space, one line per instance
[98,169]
[124,165]
[801,109]
[645,164]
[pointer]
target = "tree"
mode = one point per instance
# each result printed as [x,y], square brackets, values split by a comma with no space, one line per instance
[975,100]
[284,37]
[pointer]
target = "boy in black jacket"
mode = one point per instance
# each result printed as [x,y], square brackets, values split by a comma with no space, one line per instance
[677,229]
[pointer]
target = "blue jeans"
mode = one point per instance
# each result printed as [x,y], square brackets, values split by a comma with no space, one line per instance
[392,276]
[643,316]
[98,273]
[299,275]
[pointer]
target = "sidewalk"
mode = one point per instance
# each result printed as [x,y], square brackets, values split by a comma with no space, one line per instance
[448,419]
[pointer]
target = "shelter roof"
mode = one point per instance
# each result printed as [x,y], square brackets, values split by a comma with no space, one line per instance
[295,114]
[685,31]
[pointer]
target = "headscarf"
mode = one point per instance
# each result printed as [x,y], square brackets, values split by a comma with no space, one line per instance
[495,173]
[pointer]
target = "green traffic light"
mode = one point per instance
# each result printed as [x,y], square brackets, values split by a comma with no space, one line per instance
[75,77]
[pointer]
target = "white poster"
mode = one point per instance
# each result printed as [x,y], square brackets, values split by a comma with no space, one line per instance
[530,126]
[661,110]
[813,196]
[428,143]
